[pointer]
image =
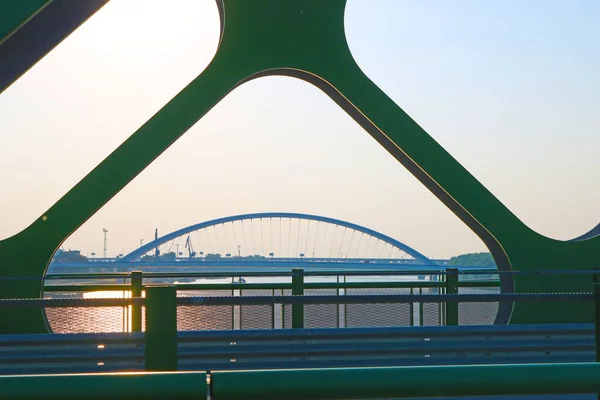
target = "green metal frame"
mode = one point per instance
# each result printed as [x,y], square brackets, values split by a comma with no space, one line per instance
[161,328]
[137,286]
[114,386]
[305,39]
[406,382]
[297,290]
[17,14]
[452,285]
[308,384]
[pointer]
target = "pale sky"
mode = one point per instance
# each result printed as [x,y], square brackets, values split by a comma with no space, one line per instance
[510,88]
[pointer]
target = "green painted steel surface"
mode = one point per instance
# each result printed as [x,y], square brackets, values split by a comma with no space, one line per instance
[452,286]
[161,328]
[305,39]
[114,386]
[136,309]
[597,317]
[297,290]
[406,382]
[13,14]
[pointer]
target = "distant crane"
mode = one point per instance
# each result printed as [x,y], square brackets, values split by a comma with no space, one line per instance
[156,250]
[188,245]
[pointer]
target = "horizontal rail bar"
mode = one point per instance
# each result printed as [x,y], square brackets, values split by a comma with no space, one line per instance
[343,347]
[233,286]
[72,356]
[476,284]
[407,332]
[331,299]
[73,369]
[126,386]
[88,288]
[303,334]
[407,382]
[438,270]
[71,338]
[374,272]
[379,299]
[241,364]
[275,286]
[394,349]
[372,285]
[27,303]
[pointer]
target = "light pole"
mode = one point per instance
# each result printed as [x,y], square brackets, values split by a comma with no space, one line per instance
[105,232]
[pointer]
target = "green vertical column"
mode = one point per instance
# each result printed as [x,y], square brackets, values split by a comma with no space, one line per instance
[161,328]
[421,313]
[411,309]
[297,290]
[136,309]
[345,305]
[452,288]
[338,306]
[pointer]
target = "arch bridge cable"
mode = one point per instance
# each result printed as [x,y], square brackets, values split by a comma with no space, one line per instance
[323,222]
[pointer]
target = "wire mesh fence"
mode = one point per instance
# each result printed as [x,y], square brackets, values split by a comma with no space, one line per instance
[89,320]
[378,315]
[256,317]
[480,313]
[240,315]
[202,318]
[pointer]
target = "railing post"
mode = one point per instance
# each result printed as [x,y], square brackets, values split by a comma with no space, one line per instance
[411,309]
[136,309]
[597,316]
[421,313]
[161,328]
[452,288]
[297,290]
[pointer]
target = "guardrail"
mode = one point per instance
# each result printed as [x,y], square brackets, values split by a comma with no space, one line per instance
[161,310]
[162,349]
[160,342]
[308,384]
[117,386]
[407,382]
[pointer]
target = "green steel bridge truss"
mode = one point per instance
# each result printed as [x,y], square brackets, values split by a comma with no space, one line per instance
[304,39]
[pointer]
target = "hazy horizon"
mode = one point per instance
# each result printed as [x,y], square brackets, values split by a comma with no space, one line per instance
[510,89]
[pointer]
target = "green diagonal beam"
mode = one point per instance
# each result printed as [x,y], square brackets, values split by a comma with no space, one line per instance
[13,14]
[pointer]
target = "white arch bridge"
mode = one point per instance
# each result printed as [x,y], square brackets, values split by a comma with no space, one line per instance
[271,239]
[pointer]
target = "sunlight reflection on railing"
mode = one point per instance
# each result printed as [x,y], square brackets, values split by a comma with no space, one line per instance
[108,321]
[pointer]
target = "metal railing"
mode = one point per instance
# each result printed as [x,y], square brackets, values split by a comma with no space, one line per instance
[347,383]
[439,282]
[161,310]
[161,354]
